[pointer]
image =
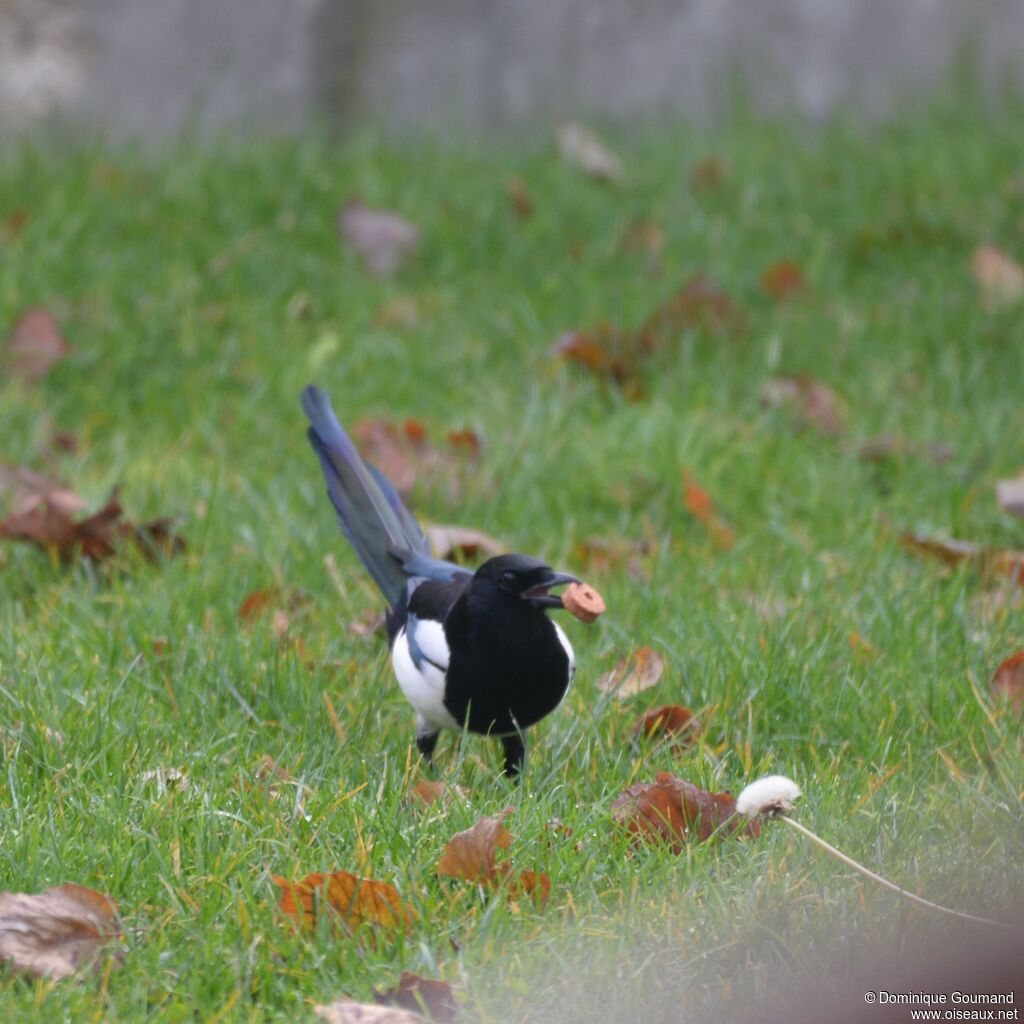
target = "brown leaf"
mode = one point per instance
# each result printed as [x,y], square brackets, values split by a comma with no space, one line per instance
[595,351]
[472,854]
[1010,495]
[257,603]
[14,223]
[370,622]
[383,240]
[783,280]
[519,198]
[674,811]
[465,440]
[580,147]
[35,345]
[418,994]
[700,304]
[634,674]
[816,403]
[462,543]
[1000,278]
[990,562]
[352,900]
[670,720]
[648,238]
[430,791]
[892,446]
[698,502]
[401,312]
[708,174]
[344,1011]
[1008,682]
[53,933]
[47,521]
[604,555]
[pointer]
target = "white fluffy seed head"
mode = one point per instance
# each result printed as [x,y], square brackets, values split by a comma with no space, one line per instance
[770,795]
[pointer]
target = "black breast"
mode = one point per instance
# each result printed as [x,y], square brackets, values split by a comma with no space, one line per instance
[508,668]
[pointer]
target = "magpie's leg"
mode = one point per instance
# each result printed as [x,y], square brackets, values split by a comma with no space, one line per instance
[515,753]
[426,742]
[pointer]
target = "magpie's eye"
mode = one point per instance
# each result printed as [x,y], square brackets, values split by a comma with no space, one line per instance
[508,578]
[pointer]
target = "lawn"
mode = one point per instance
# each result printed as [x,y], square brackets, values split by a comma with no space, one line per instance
[201,287]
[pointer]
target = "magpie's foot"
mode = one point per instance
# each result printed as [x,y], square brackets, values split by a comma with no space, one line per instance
[515,753]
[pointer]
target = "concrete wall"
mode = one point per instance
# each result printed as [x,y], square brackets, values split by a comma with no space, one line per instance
[155,66]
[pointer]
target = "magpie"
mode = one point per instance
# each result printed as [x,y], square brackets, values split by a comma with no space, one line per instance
[471,651]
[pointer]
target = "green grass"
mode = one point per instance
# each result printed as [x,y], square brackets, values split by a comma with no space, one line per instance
[177,277]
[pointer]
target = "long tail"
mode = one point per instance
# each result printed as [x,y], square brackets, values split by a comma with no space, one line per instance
[382,530]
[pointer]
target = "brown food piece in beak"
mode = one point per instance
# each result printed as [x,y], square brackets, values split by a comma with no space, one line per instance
[583,602]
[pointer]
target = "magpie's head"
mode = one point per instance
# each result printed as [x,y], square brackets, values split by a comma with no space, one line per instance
[526,578]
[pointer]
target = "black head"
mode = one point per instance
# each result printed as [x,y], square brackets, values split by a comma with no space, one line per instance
[524,577]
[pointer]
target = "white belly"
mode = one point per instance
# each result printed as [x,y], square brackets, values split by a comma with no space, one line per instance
[423,686]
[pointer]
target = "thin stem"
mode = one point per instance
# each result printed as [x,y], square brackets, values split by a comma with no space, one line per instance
[919,900]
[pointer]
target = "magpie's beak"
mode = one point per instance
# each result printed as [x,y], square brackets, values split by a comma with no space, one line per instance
[539,597]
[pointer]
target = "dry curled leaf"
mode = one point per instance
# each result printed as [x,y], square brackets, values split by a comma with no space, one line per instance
[472,854]
[348,898]
[673,811]
[417,994]
[519,199]
[816,403]
[708,174]
[383,240]
[35,345]
[53,933]
[783,280]
[47,520]
[699,504]
[1000,278]
[344,1011]
[1010,495]
[461,543]
[580,147]
[600,351]
[700,304]
[670,720]
[990,562]
[1008,682]
[638,672]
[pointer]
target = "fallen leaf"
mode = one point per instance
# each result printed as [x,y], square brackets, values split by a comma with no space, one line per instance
[990,562]
[382,239]
[46,520]
[1010,495]
[594,350]
[401,312]
[519,198]
[273,774]
[53,933]
[1000,278]
[634,674]
[708,174]
[699,504]
[417,994]
[816,403]
[344,1011]
[462,543]
[783,280]
[35,345]
[14,223]
[369,623]
[673,811]
[472,854]
[1008,682]
[996,604]
[352,900]
[604,555]
[580,147]
[700,304]
[892,446]
[648,238]
[430,791]
[670,720]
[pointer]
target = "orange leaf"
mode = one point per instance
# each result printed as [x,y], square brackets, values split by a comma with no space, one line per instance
[352,899]
[257,603]
[673,811]
[429,791]
[783,280]
[634,674]
[1008,682]
[990,562]
[472,854]
[699,503]
[700,304]
[519,198]
[53,933]
[672,720]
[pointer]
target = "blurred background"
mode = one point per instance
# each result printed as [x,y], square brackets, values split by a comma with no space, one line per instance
[153,67]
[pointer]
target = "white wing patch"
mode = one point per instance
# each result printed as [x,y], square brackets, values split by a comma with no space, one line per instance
[569,652]
[424,686]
